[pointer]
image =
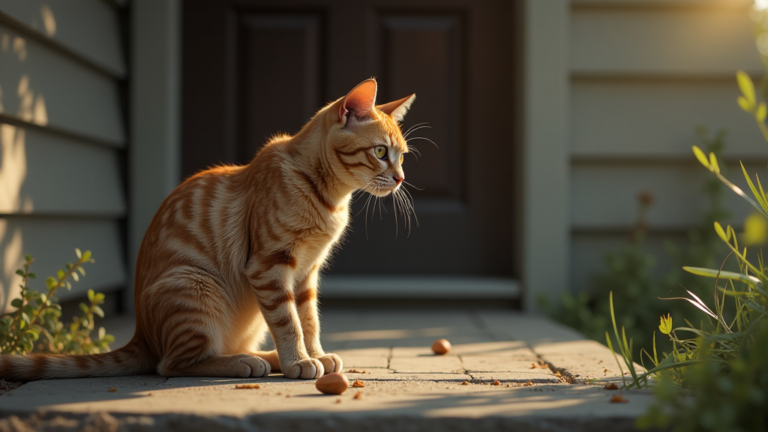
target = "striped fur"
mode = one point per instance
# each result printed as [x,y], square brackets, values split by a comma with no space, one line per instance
[236,250]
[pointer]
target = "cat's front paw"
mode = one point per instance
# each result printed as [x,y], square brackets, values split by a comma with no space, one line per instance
[331,362]
[304,369]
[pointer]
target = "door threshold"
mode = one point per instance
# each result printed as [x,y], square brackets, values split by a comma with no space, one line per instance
[452,287]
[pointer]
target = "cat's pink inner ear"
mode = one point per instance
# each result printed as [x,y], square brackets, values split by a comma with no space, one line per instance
[361,100]
[397,109]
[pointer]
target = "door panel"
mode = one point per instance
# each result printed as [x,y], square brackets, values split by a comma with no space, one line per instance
[431,45]
[276,49]
[277,62]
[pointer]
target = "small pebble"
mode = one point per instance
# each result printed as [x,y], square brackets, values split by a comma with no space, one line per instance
[441,346]
[333,383]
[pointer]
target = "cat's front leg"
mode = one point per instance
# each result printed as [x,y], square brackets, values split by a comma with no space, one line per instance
[276,300]
[306,301]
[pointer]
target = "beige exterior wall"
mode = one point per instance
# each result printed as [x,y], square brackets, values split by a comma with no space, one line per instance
[642,76]
[61,134]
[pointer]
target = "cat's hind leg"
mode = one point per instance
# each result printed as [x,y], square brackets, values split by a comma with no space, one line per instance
[235,366]
[188,310]
[271,357]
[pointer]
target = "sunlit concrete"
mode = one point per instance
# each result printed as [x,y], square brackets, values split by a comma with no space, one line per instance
[406,386]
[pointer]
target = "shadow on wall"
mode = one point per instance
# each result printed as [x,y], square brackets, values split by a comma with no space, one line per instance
[27,104]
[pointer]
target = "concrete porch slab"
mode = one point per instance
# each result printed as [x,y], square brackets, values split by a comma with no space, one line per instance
[406,387]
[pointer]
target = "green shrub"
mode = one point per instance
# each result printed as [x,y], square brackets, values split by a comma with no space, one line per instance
[34,325]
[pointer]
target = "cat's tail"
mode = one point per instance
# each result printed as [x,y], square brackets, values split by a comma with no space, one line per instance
[132,359]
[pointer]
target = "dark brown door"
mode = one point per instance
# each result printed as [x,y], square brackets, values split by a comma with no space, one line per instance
[255,68]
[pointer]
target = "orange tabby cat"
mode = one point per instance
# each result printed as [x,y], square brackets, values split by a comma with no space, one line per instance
[235,250]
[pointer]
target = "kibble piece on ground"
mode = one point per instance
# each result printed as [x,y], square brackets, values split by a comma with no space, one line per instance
[334,383]
[441,346]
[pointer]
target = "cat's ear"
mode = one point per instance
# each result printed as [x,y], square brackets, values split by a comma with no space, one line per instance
[398,108]
[361,100]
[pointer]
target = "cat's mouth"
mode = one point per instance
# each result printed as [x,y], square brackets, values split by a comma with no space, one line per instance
[381,190]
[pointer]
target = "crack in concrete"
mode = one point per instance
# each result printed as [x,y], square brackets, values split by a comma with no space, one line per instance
[563,374]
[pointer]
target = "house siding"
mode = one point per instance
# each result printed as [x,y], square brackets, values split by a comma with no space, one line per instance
[62,135]
[643,76]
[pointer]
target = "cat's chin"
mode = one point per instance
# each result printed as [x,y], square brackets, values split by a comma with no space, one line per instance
[381,193]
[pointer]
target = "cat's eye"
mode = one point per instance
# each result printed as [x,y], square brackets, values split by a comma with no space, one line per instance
[402,158]
[381,152]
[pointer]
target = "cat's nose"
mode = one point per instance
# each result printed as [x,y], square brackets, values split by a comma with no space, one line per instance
[398,180]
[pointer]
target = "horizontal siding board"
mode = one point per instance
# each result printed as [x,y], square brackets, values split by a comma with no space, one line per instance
[45,174]
[90,28]
[604,196]
[52,242]
[662,42]
[44,87]
[657,118]
[588,256]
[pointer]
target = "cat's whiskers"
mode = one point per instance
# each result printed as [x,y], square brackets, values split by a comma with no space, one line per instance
[370,195]
[362,189]
[415,151]
[417,126]
[408,199]
[412,185]
[422,138]
[394,206]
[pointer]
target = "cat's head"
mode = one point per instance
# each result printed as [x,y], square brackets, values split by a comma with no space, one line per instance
[366,141]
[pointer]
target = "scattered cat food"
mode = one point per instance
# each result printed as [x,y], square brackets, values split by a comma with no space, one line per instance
[496,383]
[465,383]
[333,383]
[247,386]
[287,396]
[611,386]
[360,371]
[358,395]
[112,390]
[617,398]
[507,385]
[338,401]
[441,346]
[279,393]
[358,383]
[540,365]
[528,384]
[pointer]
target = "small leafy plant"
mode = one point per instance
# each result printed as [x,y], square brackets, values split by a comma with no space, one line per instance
[34,325]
